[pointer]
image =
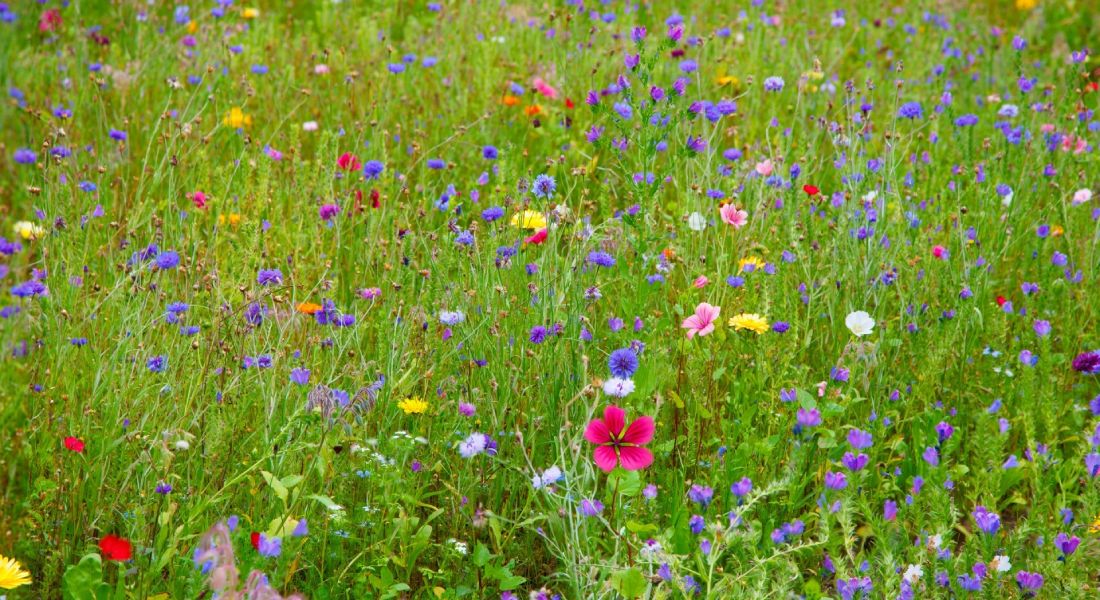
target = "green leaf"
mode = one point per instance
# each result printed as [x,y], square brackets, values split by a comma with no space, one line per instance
[718,373]
[628,483]
[640,528]
[481,555]
[805,400]
[84,580]
[277,486]
[327,502]
[630,583]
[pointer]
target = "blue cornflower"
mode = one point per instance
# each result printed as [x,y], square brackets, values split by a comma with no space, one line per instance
[544,186]
[623,363]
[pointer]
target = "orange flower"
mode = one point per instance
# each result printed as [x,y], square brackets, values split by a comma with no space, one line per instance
[308,308]
[669,253]
[509,100]
[533,110]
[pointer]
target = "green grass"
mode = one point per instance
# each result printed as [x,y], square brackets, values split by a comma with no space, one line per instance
[393,510]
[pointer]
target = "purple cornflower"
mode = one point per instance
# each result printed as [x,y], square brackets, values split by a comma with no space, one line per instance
[774,84]
[538,334]
[168,259]
[701,495]
[601,259]
[269,277]
[623,363]
[1087,362]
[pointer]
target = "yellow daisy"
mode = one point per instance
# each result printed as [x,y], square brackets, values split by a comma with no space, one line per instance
[750,260]
[413,405]
[529,219]
[236,118]
[12,574]
[28,230]
[751,322]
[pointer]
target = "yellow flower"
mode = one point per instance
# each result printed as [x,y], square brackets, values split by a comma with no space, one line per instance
[750,260]
[236,118]
[192,27]
[250,13]
[1056,230]
[28,230]
[413,405]
[234,219]
[529,219]
[728,80]
[1026,4]
[12,574]
[750,321]
[1095,527]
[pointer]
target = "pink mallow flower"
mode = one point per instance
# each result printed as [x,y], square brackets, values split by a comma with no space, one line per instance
[618,443]
[731,215]
[702,322]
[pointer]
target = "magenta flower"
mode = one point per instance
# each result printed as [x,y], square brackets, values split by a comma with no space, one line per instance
[617,442]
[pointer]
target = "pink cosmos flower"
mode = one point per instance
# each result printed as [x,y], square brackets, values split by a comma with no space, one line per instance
[615,445]
[731,215]
[702,322]
[545,88]
[765,168]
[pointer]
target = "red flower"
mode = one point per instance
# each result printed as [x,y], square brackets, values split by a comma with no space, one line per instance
[615,444]
[374,196]
[116,548]
[568,103]
[538,238]
[811,190]
[255,538]
[348,162]
[74,444]
[50,20]
[1001,300]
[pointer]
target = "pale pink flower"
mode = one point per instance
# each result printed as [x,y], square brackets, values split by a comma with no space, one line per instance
[731,215]
[700,281]
[1082,196]
[765,168]
[702,322]
[545,88]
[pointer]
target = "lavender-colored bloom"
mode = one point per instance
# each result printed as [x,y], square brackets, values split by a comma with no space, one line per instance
[590,507]
[601,259]
[808,418]
[859,439]
[1066,544]
[701,495]
[1029,582]
[987,521]
[270,547]
[741,488]
[299,376]
[910,110]
[836,480]
[24,156]
[372,169]
[1042,328]
[544,186]
[168,259]
[889,510]
[157,364]
[538,334]
[774,84]
[269,277]
[623,110]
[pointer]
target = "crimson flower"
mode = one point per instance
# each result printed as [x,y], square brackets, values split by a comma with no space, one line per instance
[811,190]
[255,539]
[348,162]
[116,548]
[615,444]
[74,444]
[536,239]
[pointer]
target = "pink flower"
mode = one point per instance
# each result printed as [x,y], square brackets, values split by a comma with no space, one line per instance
[700,281]
[731,215]
[615,445]
[702,322]
[348,162]
[939,252]
[199,198]
[545,88]
[764,168]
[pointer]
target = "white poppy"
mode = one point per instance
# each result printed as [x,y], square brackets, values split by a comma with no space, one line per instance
[860,323]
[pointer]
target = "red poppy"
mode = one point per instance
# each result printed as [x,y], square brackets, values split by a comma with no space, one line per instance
[348,162]
[1001,300]
[1093,86]
[74,444]
[568,103]
[116,548]
[538,238]
[255,538]
[811,190]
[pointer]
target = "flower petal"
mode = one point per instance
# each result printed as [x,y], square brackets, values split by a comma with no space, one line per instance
[605,458]
[640,431]
[615,419]
[597,432]
[635,458]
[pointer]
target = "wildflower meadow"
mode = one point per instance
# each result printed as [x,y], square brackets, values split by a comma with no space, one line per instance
[549,299]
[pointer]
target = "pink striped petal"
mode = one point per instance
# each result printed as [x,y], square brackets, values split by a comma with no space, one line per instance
[635,458]
[597,432]
[640,431]
[605,458]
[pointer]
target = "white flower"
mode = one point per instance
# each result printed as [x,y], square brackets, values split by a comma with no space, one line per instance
[548,477]
[1001,564]
[473,445]
[913,574]
[617,387]
[1082,196]
[183,445]
[310,126]
[935,541]
[697,222]
[860,323]
[1006,201]
[28,230]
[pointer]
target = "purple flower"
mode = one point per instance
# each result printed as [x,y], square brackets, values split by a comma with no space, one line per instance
[741,488]
[299,376]
[836,480]
[623,363]
[270,547]
[1042,328]
[1029,582]
[24,156]
[989,522]
[701,495]
[328,211]
[774,84]
[1087,362]
[269,277]
[889,510]
[590,507]
[1065,544]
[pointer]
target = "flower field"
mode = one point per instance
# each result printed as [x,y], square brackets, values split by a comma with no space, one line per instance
[564,299]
